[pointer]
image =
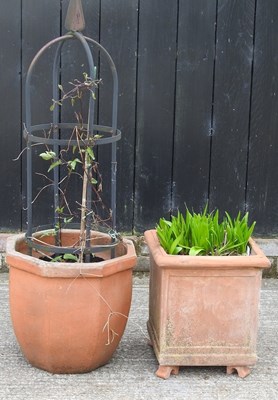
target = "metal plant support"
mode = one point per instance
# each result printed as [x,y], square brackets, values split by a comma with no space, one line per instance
[34,134]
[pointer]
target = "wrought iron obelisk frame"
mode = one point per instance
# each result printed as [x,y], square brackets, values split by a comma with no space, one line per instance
[34,134]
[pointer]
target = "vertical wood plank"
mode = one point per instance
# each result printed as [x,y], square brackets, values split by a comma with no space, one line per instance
[40,24]
[262,192]
[10,116]
[196,45]
[235,24]
[119,37]
[155,111]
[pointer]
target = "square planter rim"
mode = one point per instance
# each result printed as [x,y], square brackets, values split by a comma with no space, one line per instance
[256,259]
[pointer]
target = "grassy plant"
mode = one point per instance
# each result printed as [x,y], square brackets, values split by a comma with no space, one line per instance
[204,234]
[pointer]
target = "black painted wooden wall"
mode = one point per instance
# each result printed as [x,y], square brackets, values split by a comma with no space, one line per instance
[198,104]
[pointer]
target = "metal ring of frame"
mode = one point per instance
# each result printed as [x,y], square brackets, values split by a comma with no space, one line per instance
[49,248]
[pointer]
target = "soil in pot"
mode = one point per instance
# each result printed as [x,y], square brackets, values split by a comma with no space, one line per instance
[93,258]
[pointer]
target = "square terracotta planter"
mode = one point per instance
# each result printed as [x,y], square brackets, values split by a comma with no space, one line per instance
[203,310]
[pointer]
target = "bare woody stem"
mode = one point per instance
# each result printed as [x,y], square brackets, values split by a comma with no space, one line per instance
[84,207]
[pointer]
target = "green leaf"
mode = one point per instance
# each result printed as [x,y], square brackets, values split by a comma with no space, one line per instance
[90,153]
[59,210]
[70,257]
[194,251]
[68,220]
[53,165]
[72,163]
[48,155]
[57,259]
[175,249]
[93,181]
[51,108]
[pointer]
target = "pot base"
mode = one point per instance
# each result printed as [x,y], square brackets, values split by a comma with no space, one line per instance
[165,371]
[241,371]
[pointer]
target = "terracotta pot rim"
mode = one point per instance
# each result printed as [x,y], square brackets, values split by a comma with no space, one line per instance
[34,265]
[256,259]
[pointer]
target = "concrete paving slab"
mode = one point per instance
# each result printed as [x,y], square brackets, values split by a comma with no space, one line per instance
[131,373]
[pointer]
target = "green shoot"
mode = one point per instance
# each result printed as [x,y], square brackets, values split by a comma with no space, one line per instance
[203,234]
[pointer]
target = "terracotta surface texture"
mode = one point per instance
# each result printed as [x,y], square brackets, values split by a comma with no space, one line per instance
[69,318]
[203,310]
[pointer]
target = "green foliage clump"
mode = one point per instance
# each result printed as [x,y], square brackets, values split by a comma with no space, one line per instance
[204,234]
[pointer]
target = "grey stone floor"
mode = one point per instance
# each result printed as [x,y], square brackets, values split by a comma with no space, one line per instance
[131,373]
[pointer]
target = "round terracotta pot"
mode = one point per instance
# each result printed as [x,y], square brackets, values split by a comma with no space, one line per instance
[69,318]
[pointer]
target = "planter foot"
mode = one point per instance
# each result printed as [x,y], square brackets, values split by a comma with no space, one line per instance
[242,371]
[164,371]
